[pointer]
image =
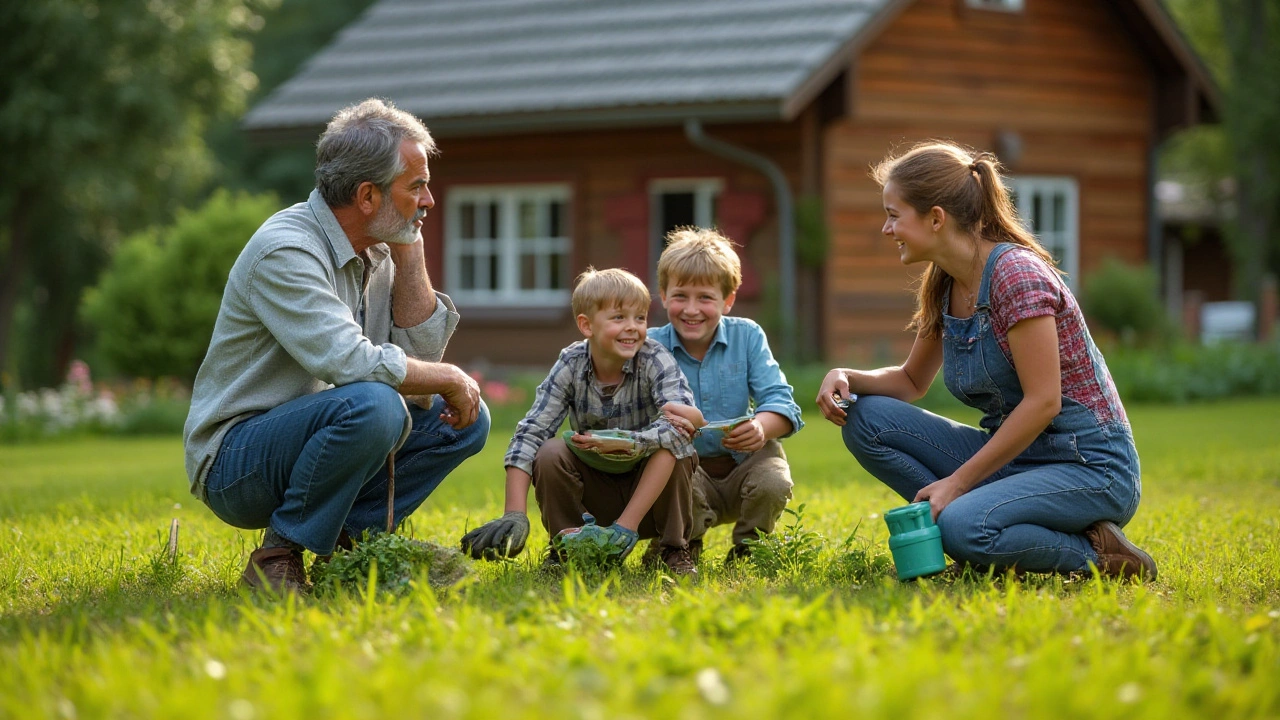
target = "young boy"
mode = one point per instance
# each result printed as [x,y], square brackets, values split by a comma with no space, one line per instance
[615,379]
[742,474]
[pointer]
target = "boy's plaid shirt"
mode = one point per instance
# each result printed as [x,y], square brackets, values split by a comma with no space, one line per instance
[650,380]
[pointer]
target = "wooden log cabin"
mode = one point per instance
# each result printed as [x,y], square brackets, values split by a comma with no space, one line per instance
[576,134]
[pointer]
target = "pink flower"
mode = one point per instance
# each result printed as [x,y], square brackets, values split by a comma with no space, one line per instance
[78,376]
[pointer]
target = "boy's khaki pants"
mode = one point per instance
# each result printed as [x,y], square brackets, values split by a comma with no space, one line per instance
[566,487]
[753,494]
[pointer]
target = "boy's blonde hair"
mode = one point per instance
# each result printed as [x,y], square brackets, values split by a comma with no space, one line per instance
[614,287]
[699,256]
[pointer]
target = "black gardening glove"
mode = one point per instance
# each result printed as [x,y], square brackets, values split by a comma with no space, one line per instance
[501,538]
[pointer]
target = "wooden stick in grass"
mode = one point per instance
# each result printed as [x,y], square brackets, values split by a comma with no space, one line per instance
[173,539]
[391,492]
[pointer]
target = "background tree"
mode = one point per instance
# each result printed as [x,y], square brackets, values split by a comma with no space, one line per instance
[104,107]
[292,33]
[1237,40]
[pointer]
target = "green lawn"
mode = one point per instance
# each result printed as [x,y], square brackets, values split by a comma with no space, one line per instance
[95,622]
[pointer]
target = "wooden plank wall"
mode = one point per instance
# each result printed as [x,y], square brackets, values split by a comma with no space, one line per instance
[1062,74]
[601,166]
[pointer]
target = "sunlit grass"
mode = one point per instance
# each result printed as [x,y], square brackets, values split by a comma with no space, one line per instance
[96,621]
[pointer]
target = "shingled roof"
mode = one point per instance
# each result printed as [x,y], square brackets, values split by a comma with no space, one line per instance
[483,66]
[477,65]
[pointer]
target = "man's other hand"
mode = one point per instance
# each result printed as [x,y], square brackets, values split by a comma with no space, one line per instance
[462,393]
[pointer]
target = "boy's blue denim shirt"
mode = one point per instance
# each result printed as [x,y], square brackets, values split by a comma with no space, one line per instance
[737,375]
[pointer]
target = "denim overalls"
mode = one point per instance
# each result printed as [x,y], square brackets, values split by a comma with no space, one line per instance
[1030,513]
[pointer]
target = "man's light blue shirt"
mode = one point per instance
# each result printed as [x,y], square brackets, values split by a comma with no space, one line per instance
[737,374]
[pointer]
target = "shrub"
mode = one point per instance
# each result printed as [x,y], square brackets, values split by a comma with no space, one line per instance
[1123,300]
[1184,373]
[154,307]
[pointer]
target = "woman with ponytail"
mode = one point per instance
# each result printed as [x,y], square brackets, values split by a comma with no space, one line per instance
[1052,475]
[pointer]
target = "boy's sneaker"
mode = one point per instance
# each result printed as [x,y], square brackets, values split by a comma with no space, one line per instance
[1117,557]
[278,569]
[736,554]
[652,558]
[553,562]
[678,561]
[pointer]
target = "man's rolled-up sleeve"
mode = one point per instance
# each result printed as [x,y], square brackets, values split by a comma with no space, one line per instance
[293,296]
[426,341]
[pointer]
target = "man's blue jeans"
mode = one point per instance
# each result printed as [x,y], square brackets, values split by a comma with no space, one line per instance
[316,465]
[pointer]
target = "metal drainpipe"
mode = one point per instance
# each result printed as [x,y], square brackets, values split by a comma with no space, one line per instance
[786,223]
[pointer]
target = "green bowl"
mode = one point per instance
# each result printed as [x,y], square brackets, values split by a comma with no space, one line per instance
[611,463]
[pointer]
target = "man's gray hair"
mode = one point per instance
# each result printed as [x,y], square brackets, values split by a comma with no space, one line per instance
[362,144]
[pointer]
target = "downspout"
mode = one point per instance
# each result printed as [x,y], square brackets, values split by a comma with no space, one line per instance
[786,223]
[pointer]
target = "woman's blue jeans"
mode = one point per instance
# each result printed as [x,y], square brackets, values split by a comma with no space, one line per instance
[317,464]
[1031,514]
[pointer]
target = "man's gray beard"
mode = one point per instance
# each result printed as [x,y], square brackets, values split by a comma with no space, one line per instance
[389,227]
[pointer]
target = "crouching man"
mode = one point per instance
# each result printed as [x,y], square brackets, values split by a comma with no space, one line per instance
[328,324]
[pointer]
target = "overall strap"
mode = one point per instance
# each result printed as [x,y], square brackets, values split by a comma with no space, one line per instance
[984,289]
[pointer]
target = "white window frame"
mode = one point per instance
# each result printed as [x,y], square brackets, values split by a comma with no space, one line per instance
[507,246]
[1009,6]
[705,191]
[1065,243]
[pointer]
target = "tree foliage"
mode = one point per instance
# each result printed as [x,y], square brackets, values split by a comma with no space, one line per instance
[154,306]
[1237,40]
[102,111]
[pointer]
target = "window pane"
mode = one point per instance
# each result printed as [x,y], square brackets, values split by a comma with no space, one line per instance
[555,212]
[528,272]
[493,221]
[1037,217]
[493,272]
[529,219]
[1059,212]
[558,268]
[467,272]
[467,220]
[677,211]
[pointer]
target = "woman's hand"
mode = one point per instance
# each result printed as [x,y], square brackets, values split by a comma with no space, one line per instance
[836,382]
[940,494]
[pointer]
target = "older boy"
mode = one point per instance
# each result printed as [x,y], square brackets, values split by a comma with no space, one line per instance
[614,379]
[742,474]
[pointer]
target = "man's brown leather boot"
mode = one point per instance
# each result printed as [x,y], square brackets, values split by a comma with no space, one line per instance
[278,569]
[1117,557]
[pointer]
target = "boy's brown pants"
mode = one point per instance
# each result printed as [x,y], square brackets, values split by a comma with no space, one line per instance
[566,487]
[753,494]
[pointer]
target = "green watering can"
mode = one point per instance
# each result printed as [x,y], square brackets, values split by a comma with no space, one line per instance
[915,541]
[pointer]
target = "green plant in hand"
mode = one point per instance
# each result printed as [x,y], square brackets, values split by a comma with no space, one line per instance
[595,546]
[399,559]
[787,552]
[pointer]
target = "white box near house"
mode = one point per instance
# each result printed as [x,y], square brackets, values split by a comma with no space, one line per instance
[1226,321]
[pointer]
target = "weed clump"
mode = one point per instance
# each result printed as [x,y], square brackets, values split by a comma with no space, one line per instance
[397,559]
[789,551]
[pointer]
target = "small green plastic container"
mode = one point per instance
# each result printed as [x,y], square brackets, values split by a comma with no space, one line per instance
[915,541]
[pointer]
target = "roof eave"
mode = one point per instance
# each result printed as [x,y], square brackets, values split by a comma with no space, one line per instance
[266,130]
